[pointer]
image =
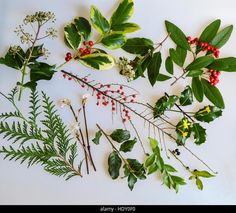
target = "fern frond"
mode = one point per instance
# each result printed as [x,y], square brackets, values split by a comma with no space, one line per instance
[8,115]
[73,153]
[34,106]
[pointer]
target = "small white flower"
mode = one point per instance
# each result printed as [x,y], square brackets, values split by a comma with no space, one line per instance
[85,98]
[64,102]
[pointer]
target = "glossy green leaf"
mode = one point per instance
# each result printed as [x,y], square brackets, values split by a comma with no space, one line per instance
[31,85]
[169,65]
[83,26]
[213,94]
[183,130]
[208,114]
[154,68]
[125,28]
[162,77]
[199,184]
[169,168]
[224,64]
[113,41]
[97,137]
[178,55]
[153,168]
[222,37]
[99,61]
[194,73]
[127,146]
[186,97]
[72,36]
[199,133]
[98,21]
[177,35]
[197,88]
[123,13]
[137,168]
[138,46]
[150,160]
[200,62]
[131,181]
[114,163]
[154,145]
[204,174]
[120,135]
[36,53]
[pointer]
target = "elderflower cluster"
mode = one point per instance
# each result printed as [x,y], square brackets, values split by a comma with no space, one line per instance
[126,69]
[51,32]
[15,49]
[40,17]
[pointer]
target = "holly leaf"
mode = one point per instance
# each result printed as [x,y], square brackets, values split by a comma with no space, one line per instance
[127,146]
[120,135]
[194,73]
[169,65]
[114,164]
[125,28]
[186,97]
[208,114]
[97,137]
[199,134]
[113,41]
[83,26]
[200,62]
[98,21]
[154,68]
[178,55]
[37,52]
[72,36]
[139,46]
[197,88]
[222,37]
[183,130]
[131,181]
[213,94]
[99,61]
[177,35]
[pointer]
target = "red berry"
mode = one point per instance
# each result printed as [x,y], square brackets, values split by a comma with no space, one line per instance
[85,79]
[88,50]
[81,50]
[196,39]
[118,91]
[123,120]
[69,78]
[192,42]
[113,109]
[121,87]
[208,48]
[101,86]
[122,93]
[112,91]
[68,55]
[189,38]
[97,103]
[67,59]
[84,43]
[64,75]
[108,86]
[202,44]
[90,43]
[83,86]
[125,99]
[132,100]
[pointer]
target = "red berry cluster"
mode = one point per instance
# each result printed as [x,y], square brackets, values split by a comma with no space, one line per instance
[214,77]
[68,56]
[87,49]
[192,41]
[208,47]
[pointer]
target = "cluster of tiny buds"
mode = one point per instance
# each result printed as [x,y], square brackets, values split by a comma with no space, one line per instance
[214,77]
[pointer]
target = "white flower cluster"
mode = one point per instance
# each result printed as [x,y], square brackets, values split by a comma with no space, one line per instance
[40,17]
[126,69]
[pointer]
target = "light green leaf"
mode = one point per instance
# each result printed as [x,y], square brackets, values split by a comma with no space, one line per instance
[153,168]
[154,68]
[222,37]
[72,36]
[113,41]
[194,73]
[83,26]
[169,168]
[120,135]
[200,62]
[197,88]
[150,160]
[199,184]
[204,174]
[114,163]
[125,28]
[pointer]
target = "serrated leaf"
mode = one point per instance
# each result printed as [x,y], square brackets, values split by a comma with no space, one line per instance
[213,94]
[97,137]
[177,35]
[120,135]
[186,97]
[169,65]
[194,73]
[208,114]
[125,28]
[154,68]
[113,41]
[199,134]
[99,61]
[114,163]
[200,62]
[197,88]
[178,55]
[99,22]
[127,146]
[131,181]
[83,26]
[72,36]
[222,37]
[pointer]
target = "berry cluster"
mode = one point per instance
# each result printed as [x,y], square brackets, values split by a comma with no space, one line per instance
[192,41]
[87,49]
[68,56]
[214,77]
[176,151]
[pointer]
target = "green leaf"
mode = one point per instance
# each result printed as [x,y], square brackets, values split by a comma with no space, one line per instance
[200,62]
[138,46]
[183,130]
[154,145]
[199,184]
[83,26]
[72,36]
[113,41]
[136,167]
[154,68]
[169,168]
[177,35]
[222,37]
[194,73]
[127,146]
[178,55]
[123,13]
[41,71]
[208,114]
[125,28]
[199,133]
[210,31]
[97,137]
[131,181]
[204,174]
[99,61]
[224,64]
[99,22]
[178,180]
[153,168]
[162,77]
[150,160]
[213,94]
[120,135]
[114,163]
[36,53]
[186,97]
[197,88]
[31,85]
[169,65]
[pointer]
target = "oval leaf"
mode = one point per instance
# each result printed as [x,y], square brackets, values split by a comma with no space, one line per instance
[83,26]
[114,164]
[178,55]
[224,64]
[113,41]
[222,37]
[162,77]
[200,62]
[120,135]
[131,181]
[127,146]
[169,65]
[154,68]
[194,73]
[208,114]
[197,88]
[125,28]
[72,36]
[199,184]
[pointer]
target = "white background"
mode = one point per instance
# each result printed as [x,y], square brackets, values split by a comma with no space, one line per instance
[20,185]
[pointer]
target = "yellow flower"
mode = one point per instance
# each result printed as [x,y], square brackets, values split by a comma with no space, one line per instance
[208,110]
[184,134]
[186,124]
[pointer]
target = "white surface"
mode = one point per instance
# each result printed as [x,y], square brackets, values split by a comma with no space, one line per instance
[19,185]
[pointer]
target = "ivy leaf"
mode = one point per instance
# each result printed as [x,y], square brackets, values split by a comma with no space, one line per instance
[213,94]
[169,65]
[127,146]
[131,181]
[222,37]
[208,114]
[177,35]
[97,137]
[224,64]
[83,26]
[72,36]
[120,135]
[123,13]
[36,53]
[199,184]
[194,73]
[125,28]
[197,88]
[200,62]
[162,77]
[41,71]
[163,104]
[186,97]
[99,22]
[150,160]
[99,61]
[154,68]
[199,133]
[114,163]
[113,41]
[178,55]
[204,174]
[139,46]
